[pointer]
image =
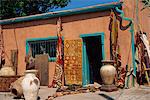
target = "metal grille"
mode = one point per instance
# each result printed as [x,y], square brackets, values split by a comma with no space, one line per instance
[44,46]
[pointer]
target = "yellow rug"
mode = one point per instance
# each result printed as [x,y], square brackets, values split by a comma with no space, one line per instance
[73,61]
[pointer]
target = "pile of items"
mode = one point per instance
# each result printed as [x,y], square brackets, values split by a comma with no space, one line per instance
[7,76]
[73,89]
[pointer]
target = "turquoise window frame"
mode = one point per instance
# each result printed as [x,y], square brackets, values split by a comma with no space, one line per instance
[51,59]
[85,67]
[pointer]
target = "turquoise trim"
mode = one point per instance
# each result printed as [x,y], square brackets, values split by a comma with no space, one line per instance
[40,39]
[89,35]
[51,59]
[62,13]
[85,63]
[103,47]
[133,49]
[132,40]
[27,47]
[102,40]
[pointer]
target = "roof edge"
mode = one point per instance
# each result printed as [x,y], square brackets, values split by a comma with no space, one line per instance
[99,7]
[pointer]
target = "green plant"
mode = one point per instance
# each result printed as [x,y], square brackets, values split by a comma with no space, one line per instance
[17,8]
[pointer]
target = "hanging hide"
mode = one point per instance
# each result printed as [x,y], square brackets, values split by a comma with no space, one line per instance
[146,43]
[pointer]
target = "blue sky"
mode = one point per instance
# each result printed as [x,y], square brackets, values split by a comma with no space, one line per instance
[83,3]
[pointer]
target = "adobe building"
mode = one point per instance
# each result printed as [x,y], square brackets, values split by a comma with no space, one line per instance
[85,33]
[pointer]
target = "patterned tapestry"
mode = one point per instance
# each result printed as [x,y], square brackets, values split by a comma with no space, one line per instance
[73,61]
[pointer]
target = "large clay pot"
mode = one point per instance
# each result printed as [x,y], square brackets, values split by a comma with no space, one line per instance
[107,73]
[30,85]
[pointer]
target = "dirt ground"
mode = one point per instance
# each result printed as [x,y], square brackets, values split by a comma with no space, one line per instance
[136,93]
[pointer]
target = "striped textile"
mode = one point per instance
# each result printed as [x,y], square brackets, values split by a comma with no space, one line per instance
[116,55]
[57,80]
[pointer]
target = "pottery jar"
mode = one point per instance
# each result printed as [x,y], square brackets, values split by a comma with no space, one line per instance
[107,73]
[30,85]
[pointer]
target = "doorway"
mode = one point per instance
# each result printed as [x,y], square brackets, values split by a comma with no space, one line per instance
[93,53]
[94,56]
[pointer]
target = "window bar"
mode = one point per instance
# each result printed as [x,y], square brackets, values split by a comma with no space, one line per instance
[34,49]
[39,47]
[50,49]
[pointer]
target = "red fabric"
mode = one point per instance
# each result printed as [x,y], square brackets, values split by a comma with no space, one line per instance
[113,27]
[57,80]
[121,79]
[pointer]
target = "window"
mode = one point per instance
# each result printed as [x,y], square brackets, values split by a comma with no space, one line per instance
[42,46]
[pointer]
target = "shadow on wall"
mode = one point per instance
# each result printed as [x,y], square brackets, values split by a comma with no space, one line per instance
[53,21]
[85,16]
[30,23]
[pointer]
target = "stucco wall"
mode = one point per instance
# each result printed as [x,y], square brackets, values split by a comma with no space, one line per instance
[15,35]
[130,11]
[143,15]
[15,38]
[90,23]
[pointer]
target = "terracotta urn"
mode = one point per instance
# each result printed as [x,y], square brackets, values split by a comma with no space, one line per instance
[30,85]
[107,73]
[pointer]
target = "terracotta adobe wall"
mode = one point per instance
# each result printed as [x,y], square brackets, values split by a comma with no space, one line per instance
[15,35]
[15,38]
[98,22]
[90,23]
[144,18]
